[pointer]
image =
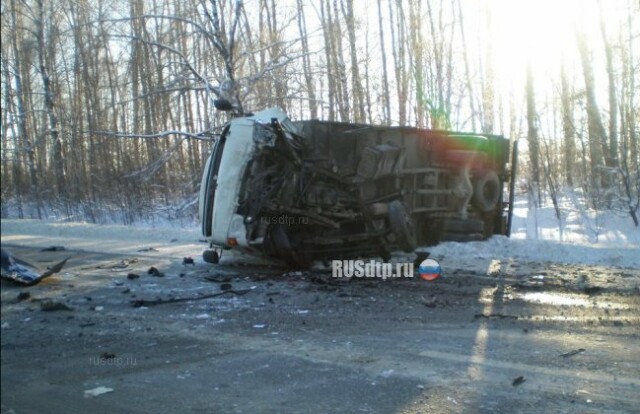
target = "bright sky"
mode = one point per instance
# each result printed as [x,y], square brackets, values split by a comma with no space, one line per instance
[543,32]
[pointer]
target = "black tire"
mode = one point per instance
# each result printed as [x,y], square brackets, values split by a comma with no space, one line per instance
[211,256]
[465,226]
[459,237]
[281,243]
[402,226]
[486,191]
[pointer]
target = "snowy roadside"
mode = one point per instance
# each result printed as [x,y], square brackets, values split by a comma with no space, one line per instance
[108,238]
[184,241]
[584,237]
[503,248]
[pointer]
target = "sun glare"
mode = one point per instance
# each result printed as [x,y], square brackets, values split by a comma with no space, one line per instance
[540,33]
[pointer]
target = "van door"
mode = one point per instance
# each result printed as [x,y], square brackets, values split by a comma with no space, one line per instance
[209,185]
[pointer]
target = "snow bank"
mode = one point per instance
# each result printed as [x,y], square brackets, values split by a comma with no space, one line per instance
[501,247]
[584,237]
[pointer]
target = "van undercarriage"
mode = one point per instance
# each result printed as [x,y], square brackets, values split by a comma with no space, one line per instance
[316,190]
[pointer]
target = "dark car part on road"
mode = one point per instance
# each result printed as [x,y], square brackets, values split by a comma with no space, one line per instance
[152,302]
[52,306]
[25,273]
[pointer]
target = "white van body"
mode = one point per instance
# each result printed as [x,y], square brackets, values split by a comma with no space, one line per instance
[222,226]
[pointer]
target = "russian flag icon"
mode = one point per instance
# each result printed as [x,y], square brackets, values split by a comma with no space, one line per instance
[429,270]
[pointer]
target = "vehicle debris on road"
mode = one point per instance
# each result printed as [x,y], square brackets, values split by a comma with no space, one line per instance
[53,249]
[52,306]
[155,272]
[517,381]
[22,272]
[572,353]
[97,391]
[143,302]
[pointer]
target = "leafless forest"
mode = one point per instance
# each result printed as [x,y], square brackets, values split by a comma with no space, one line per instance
[107,105]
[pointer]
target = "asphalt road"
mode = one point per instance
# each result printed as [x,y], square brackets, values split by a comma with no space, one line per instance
[508,337]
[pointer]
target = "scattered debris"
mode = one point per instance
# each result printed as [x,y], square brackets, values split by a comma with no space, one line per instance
[25,273]
[572,353]
[218,278]
[132,276]
[144,303]
[155,272]
[51,306]
[107,355]
[592,290]
[97,391]
[53,249]
[430,303]
[23,296]
[386,374]
[517,381]
[122,264]
[188,261]
[56,268]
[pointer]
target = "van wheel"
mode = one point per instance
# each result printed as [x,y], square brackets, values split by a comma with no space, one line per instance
[280,242]
[486,190]
[211,256]
[402,226]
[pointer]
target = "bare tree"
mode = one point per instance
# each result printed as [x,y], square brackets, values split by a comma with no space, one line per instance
[568,127]
[21,114]
[597,133]
[358,105]
[532,136]
[386,99]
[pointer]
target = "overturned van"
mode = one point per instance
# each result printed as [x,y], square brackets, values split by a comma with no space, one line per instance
[316,190]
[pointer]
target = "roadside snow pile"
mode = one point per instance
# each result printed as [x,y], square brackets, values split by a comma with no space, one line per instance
[583,236]
[501,247]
